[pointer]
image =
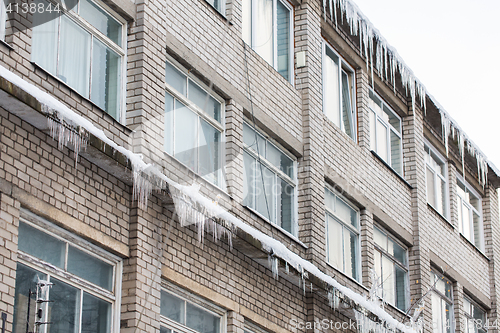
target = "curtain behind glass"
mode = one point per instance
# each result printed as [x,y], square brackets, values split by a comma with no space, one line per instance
[263,27]
[248,179]
[331,98]
[209,152]
[185,141]
[246,21]
[396,160]
[44,40]
[334,243]
[74,56]
[101,20]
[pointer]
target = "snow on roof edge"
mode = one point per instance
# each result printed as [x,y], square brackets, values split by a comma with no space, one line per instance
[387,60]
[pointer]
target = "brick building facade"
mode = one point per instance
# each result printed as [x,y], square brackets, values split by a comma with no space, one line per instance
[293,117]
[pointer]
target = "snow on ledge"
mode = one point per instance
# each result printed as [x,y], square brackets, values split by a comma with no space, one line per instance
[144,173]
[387,61]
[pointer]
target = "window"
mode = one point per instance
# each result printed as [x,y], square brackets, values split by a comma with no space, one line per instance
[267,28]
[3,18]
[475,317]
[436,177]
[385,133]
[84,282]
[84,48]
[470,223]
[220,5]
[183,312]
[193,125]
[442,304]
[269,180]
[338,92]
[391,266]
[342,234]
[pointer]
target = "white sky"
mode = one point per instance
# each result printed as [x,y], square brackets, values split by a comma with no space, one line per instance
[453,47]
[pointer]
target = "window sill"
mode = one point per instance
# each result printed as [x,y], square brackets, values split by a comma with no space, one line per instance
[347,276]
[474,246]
[390,168]
[294,238]
[7,45]
[441,216]
[94,106]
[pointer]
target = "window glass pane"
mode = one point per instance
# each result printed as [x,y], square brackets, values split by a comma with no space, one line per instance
[263,28]
[375,104]
[209,152]
[440,198]
[165,330]
[251,138]
[392,119]
[248,179]
[285,206]
[100,20]
[400,288]
[378,271]
[201,320]
[331,96]
[346,213]
[246,21]
[335,251]
[90,268]
[106,77]
[283,39]
[279,160]
[350,254]
[477,230]
[172,307]
[347,105]
[437,316]
[217,4]
[389,280]
[461,191]
[26,279]
[330,200]
[96,315]
[479,315]
[382,150]
[467,307]
[64,310]
[373,130]
[44,40]
[169,123]
[431,196]
[74,56]
[185,137]
[448,317]
[204,101]
[264,194]
[398,252]
[396,161]
[39,244]
[380,238]
[3,12]
[175,78]
[466,222]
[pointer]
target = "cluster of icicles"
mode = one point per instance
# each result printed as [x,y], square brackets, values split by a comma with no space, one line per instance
[388,62]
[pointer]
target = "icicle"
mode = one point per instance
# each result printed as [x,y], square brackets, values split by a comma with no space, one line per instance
[445,128]
[273,265]
[287,269]
[333,300]
[66,134]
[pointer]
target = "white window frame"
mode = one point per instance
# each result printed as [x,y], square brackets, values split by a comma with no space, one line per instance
[404,266]
[343,66]
[390,129]
[443,300]
[438,177]
[278,174]
[471,324]
[275,33]
[195,300]
[472,209]
[220,126]
[113,296]
[252,328]
[330,214]
[95,33]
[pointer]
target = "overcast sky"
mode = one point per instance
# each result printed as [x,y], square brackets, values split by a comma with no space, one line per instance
[453,47]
